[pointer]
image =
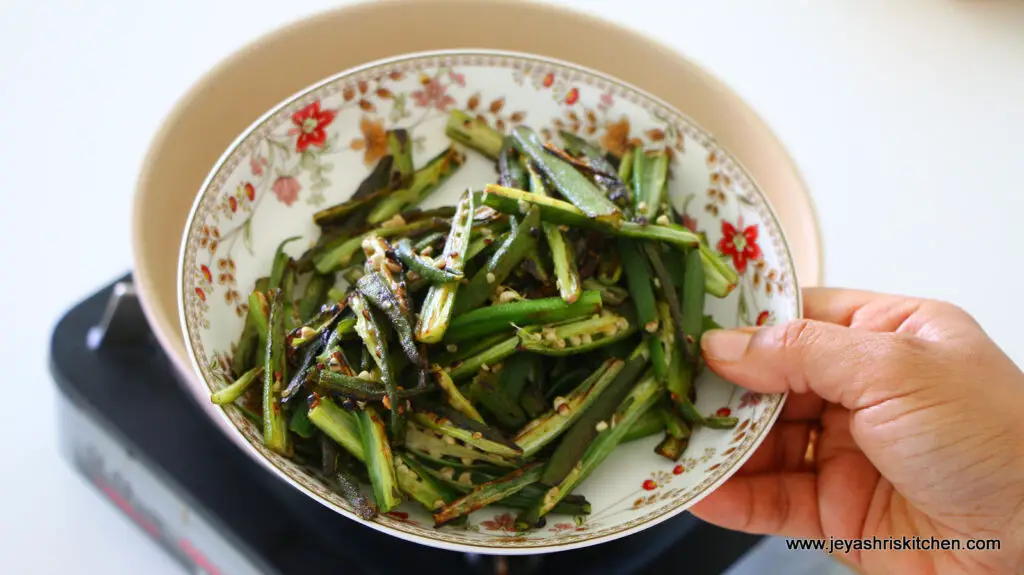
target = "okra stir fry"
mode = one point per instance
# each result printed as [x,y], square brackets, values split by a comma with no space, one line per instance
[491,352]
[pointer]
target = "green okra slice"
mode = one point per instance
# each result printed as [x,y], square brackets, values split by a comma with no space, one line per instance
[281,261]
[379,460]
[605,175]
[612,295]
[491,492]
[511,252]
[692,307]
[577,336]
[643,397]
[437,446]
[511,173]
[488,357]
[719,277]
[341,252]
[512,201]
[449,422]
[425,267]
[539,432]
[486,389]
[424,182]
[569,182]
[454,397]
[564,260]
[648,424]
[672,448]
[338,424]
[474,133]
[650,183]
[248,352]
[421,486]
[235,390]
[315,295]
[275,424]
[359,388]
[440,301]
[315,326]
[376,185]
[374,341]
[497,318]
[593,420]
[640,282]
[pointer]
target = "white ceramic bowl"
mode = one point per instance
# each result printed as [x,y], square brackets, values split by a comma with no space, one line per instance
[274,176]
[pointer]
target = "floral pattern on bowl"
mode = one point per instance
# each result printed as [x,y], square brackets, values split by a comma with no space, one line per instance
[313,151]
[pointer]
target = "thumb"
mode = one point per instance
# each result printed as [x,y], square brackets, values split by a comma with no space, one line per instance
[853,368]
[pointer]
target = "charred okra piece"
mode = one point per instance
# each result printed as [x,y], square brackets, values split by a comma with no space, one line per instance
[595,419]
[569,182]
[454,424]
[275,425]
[640,282]
[309,356]
[511,172]
[375,289]
[348,486]
[496,318]
[643,396]
[440,301]
[379,461]
[490,492]
[338,424]
[375,342]
[235,390]
[359,388]
[426,267]
[672,448]
[566,273]
[545,429]
[281,261]
[474,133]
[512,251]
[424,182]
[578,336]
[400,148]
[669,294]
[375,186]
[314,327]
[452,394]
[604,173]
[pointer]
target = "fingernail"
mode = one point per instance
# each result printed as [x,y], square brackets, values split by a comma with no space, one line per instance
[725,344]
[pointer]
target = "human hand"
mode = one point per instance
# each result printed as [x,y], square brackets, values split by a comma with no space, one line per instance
[921,420]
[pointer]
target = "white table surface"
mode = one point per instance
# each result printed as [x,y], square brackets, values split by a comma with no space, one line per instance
[906,118]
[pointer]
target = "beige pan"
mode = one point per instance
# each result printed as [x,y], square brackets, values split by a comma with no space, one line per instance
[241,89]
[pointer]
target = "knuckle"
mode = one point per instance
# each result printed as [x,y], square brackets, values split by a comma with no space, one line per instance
[898,351]
[797,334]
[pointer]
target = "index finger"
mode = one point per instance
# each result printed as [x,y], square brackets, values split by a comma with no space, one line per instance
[858,309]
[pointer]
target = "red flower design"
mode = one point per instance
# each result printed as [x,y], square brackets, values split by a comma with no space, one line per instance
[689,223]
[503,522]
[401,517]
[548,80]
[287,188]
[723,412]
[459,79]
[740,243]
[762,318]
[201,294]
[750,398]
[233,202]
[572,97]
[311,126]
[250,191]
[678,470]
[206,273]
[433,94]
[256,164]
[650,485]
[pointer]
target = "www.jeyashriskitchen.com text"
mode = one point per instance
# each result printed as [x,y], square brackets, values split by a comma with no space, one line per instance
[837,545]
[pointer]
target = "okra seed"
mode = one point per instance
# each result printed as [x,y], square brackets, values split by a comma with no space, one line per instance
[485,367]
[642,207]
[563,228]
[425,252]
[439,503]
[560,344]
[601,426]
[490,278]
[448,439]
[386,401]
[523,207]
[575,340]
[307,333]
[657,283]
[452,348]
[663,220]
[586,338]
[477,435]
[447,472]
[651,327]
[466,478]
